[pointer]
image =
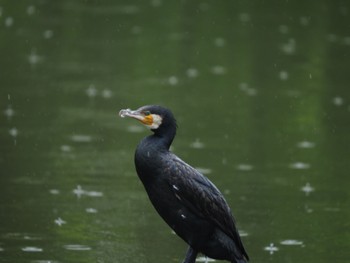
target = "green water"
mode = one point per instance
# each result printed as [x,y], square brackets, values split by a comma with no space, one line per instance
[260,92]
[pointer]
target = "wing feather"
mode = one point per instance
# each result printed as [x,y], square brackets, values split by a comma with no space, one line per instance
[202,197]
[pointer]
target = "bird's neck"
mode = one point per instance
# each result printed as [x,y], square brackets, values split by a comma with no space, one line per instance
[164,138]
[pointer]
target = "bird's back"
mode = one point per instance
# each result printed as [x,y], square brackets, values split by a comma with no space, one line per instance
[189,202]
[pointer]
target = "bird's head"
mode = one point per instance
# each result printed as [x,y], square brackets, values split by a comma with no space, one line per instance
[154,117]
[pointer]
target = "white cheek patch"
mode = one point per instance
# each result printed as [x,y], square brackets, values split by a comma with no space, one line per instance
[157,121]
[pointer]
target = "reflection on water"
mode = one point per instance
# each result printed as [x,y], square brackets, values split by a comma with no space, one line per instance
[260,92]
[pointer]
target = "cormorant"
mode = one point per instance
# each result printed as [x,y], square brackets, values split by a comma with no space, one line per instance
[187,201]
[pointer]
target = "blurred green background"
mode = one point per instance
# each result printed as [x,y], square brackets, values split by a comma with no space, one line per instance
[261,94]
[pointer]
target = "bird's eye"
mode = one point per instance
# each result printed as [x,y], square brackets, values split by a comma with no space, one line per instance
[147,113]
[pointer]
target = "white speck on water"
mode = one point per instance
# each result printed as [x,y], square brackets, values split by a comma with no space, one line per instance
[205,259]
[304,21]
[81,138]
[283,75]
[300,165]
[306,144]
[347,41]
[13,132]
[289,47]
[245,167]
[331,209]
[9,112]
[34,58]
[197,144]
[219,42]
[91,210]
[78,191]
[135,128]
[218,70]
[308,209]
[192,73]
[183,216]
[227,191]
[106,94]
[32,249]
[31,10]
[244,17]
[307,188]
[66,148]
[59,221]
[91,91]
[243,233]
[283,29]
[130,9]
[338,101]
[271,248]
[203,170]
[175,187]
[54,191]
[173,80]
[9,21]
[77,247]
[246,89]
[93,193]
[48,34]
[332,38]
[156,3]
[292,242]
[136,30]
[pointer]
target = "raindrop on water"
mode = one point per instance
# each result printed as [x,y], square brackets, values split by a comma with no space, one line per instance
[283,75]
[173,80]
[244,17]
[218,70]
[307,189]
[48,34]
[283,29]
[220,42]
[34,58]
[54,191]
[338,101]
[13,132]
[300,165]
[292,242]
[9,112]
[31,10]
[203,170]
[271,248]
[91,210]
[77,247]
[192,73]
[244,167]
[306,144]
[81,138]
[91,91]
[197,144]
[9,21]
[59,221]
[32,249]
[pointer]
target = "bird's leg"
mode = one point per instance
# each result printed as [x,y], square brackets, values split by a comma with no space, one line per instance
[190,255]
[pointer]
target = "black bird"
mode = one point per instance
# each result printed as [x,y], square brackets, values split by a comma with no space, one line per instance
[187,201]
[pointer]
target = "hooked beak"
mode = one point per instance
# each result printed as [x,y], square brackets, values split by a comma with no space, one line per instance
[136,114]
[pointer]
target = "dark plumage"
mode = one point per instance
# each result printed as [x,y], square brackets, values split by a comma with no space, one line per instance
[187,201]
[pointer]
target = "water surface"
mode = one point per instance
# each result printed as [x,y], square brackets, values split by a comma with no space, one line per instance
[260,92]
